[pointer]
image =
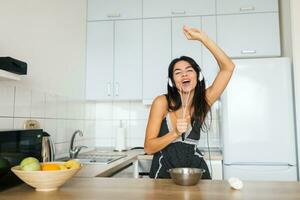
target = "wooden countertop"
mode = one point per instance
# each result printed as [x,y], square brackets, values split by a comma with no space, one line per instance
[150,189]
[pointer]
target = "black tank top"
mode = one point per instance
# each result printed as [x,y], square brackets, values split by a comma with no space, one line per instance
[179,153]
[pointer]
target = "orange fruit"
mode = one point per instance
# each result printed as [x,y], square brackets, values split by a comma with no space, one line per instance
[50,166]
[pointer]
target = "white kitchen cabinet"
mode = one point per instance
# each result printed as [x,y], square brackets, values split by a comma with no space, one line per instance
[128,60]
[168,8]
[156,57]
[114,60]
[246,6]
[249,35]
[210,67]
[99,72]
[216,169]
[180,45]
[114,9]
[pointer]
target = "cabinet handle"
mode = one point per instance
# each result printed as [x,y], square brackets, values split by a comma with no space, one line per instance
[108,89]
[247,8]
[248,51]
[114,15]
[178,12]
[117,85]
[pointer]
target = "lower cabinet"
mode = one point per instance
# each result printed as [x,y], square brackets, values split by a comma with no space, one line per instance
[125,172]
[216,169]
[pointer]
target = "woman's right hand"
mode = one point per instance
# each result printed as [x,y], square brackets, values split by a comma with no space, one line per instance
[181,126]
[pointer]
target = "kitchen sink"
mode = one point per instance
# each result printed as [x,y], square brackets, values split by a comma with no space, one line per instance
[94,158]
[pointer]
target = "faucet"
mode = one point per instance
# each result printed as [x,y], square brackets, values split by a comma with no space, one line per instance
[75,150]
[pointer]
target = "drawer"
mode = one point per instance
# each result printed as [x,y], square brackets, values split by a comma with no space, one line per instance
[114,9]
[246,6]
[171,8]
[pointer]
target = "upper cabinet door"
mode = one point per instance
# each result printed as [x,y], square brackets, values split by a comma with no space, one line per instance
[181,46]
[246,6]
[114,9]
[156,57]
[249,35]
[128,60]
[168,8]
[209,66]
[99,72]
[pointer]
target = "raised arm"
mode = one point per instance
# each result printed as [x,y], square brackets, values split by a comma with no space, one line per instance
[226,65]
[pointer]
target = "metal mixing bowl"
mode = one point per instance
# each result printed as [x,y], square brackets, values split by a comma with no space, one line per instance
[186,176]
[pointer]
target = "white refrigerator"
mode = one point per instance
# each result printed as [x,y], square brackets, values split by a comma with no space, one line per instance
[257,121]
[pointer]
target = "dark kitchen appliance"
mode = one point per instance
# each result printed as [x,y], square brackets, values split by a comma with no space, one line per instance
[16,145]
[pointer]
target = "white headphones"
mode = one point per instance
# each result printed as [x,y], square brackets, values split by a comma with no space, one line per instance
[200,79]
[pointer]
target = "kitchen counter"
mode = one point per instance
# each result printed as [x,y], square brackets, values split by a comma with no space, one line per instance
[105,170]
[122,188]
[214,155]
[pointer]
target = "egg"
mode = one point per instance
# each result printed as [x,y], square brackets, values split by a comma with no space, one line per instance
[235,183]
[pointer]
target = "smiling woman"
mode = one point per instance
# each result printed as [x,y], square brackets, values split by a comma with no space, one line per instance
[177,118]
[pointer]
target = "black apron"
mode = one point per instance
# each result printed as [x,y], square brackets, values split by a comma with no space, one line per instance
[180,153]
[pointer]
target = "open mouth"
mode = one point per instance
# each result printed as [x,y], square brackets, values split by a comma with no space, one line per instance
[186,83]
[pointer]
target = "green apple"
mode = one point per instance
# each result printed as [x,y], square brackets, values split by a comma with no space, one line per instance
[28,160]
[34,166]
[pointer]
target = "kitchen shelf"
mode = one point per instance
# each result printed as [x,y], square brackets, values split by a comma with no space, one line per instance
[5,75]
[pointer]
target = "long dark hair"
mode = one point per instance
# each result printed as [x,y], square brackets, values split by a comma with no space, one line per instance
[199,102]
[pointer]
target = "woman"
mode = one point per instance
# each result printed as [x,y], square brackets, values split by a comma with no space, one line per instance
[175,119]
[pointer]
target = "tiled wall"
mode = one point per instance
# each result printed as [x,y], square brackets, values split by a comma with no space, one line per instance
[58,115]
[134,117]
[109,115]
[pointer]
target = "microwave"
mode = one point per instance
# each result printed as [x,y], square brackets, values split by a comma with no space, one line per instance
[15,145]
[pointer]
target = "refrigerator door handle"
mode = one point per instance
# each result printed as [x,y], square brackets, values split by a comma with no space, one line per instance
[260,164]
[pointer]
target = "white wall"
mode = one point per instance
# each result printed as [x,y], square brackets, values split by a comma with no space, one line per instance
[50,36]
[295,25]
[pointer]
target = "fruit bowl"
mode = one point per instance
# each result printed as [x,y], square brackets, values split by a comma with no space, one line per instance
[45,180]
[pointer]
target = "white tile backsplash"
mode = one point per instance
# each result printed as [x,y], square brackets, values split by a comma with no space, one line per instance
[62,106]
[90,110]
[121,110]
[137,128]
[61,149]
[50,126]
[37,104]
[6,123]
[19,123]
[104,110]
[89,128]
[50,103]
[136,142]
[58,115]
[139,111]
[7,100]
[61,131]
[22,102]
[104,129]
[104,142]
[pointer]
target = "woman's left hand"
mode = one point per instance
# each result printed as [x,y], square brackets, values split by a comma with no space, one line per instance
[194,34]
